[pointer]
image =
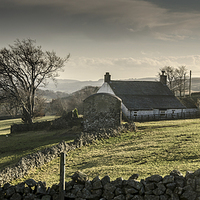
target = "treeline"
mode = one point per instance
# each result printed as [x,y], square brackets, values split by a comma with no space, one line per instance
[60,106]
[48,102]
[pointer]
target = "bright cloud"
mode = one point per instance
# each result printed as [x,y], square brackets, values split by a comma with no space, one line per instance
[130,67]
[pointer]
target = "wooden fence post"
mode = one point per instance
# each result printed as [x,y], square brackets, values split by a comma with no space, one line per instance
[62,176]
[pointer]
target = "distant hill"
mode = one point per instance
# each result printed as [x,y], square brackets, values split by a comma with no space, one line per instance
[70,86]
[50,94]
[142,79]
[195,84]
[67,86]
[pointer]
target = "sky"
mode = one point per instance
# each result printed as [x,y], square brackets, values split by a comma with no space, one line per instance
[128,38]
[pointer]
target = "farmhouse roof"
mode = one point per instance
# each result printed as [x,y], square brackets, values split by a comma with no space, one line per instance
[188,102]
[100,94]
[145,95]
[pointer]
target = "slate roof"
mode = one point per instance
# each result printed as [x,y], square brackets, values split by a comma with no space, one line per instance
[145,95]
[188,102]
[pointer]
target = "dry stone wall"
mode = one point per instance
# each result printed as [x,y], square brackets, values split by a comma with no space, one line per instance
[174,186]
[59,123]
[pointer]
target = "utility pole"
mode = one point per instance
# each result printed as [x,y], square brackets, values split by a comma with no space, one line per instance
[190,83]
[184,86]
[62,176]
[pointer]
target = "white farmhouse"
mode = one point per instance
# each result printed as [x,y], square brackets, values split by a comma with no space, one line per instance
[145,100]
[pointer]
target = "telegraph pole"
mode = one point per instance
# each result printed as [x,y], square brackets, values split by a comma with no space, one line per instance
[190,83]
[184,86]
[62,176]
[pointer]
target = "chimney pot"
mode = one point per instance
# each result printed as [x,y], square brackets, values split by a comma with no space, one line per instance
[107,77]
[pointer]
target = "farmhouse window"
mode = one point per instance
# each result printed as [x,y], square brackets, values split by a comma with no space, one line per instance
[135,113]
[162,112]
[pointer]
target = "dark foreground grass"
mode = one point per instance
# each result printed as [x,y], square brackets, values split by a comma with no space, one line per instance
[15,146]
[156,148]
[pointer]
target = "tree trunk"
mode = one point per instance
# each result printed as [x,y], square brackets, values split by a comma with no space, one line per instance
[26,117]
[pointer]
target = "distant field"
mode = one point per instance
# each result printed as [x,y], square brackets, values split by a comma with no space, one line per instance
[14,146]
[156,148]
[5,124]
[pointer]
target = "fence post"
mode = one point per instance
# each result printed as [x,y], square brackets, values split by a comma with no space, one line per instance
[62,177]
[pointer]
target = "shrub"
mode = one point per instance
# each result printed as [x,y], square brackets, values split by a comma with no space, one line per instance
[75,113]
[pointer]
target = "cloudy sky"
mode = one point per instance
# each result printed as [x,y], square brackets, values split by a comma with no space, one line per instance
[128,38]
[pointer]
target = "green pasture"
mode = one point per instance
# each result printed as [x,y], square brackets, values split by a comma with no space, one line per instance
[156,148]
[5,124]
[15,146]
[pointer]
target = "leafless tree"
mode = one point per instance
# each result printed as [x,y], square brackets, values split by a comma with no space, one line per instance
[180,74]
[23,68]
[9,107]
[170,73]
[40,103]
[176,80]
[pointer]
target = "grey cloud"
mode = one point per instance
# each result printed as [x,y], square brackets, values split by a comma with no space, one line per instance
[104,20]
[180,6]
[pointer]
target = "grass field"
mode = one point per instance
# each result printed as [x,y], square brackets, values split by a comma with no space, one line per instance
[5,124]
[14,146]
[156,148]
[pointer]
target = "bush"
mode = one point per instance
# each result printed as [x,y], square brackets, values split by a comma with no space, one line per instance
[75,113]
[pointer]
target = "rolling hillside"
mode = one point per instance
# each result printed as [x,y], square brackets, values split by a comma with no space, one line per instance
[70,86]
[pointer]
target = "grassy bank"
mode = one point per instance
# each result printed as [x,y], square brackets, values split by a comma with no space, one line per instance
[156,148]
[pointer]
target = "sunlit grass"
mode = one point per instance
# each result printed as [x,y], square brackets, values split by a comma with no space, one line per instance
[156,148]
[6,124]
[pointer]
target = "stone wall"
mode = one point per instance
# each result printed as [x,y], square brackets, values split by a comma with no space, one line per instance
[102,110]
[174,186]
[59,123]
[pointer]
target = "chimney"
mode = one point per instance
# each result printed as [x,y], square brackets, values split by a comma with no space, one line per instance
[163,78]
[107,77]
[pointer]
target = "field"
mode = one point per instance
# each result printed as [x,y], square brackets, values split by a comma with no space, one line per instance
[5,124]
[14,146]
[156,148]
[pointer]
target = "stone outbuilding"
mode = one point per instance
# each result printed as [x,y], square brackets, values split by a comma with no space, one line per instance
[102,110]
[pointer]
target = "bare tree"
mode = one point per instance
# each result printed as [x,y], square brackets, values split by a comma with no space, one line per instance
[40,103]
[175,78]
[23,68]
[170,73]
[9,107]
[180,73]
